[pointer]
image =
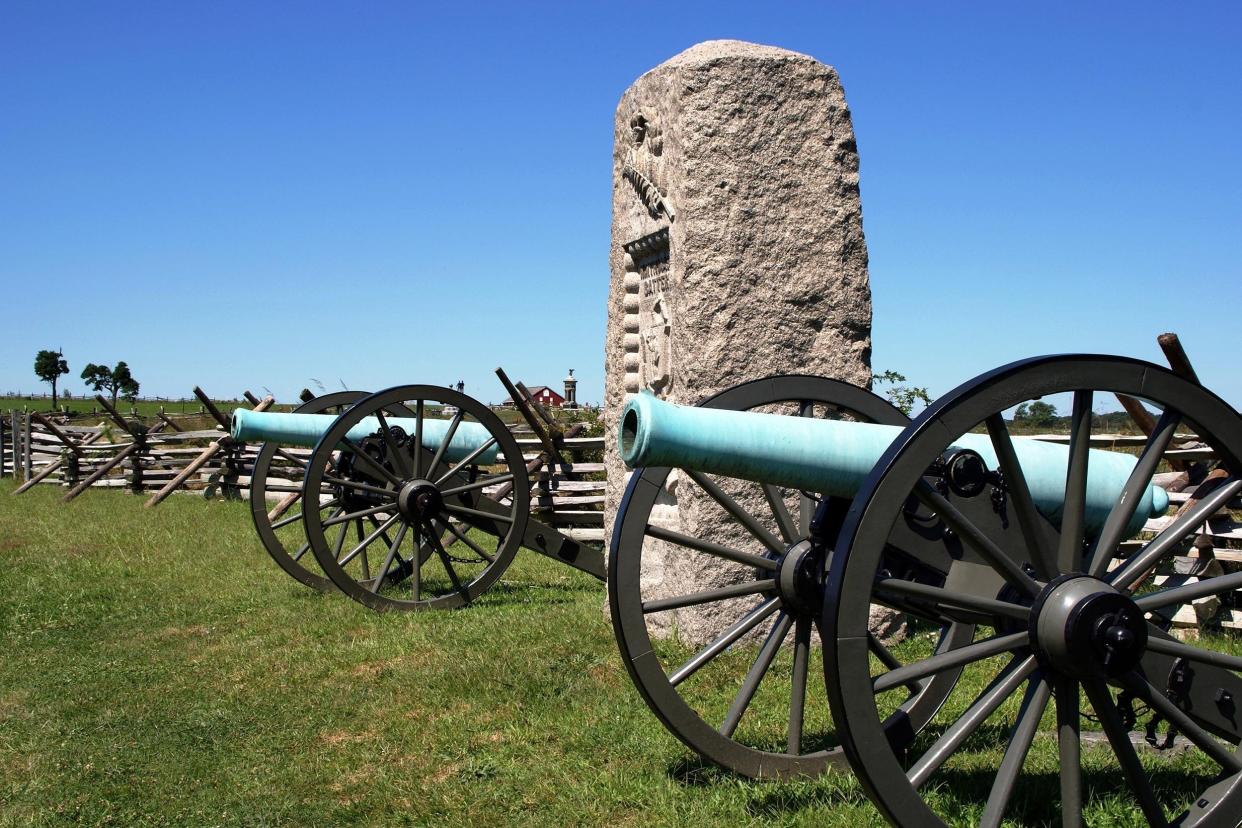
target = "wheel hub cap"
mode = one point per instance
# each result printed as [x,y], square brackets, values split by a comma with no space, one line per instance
[419,500]
[800,580]
[1086,628]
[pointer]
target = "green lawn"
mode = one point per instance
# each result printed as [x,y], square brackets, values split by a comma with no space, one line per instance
[156,668]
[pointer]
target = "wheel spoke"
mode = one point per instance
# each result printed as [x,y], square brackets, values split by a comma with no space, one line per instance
[763,661]
[417,451]
[708,595]
[374,510]
[287,520]
[1119,738]
[1069,748]
[1140,478]
[797,693]
[1178,649]
[739,628]
[1001,688]
[464,538]
[416,561]
[293,458]
[465,510]
[784,520]
[889,660]
[1190,592]
[1030,522]
[1136,568]
[432,539]
[948,600]
[467,460]
[400,461]
[371,461]
[392,555]
[698,544]
[362,543]
[361,487]
[481,483]
[444,444]
[968,532]
[739,514]
[302,550]
[1162,704]
[340,543]
[976,651]
[1073,513]
[1033,706]
[366,541]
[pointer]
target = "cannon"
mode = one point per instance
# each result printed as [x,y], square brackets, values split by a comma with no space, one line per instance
[1028,580]
[418,474]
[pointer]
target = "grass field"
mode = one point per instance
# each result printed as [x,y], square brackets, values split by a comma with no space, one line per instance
[156,668]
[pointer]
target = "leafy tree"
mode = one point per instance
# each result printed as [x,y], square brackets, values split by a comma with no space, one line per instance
[1035,413]
[903,396]
[116,381]
[49,365]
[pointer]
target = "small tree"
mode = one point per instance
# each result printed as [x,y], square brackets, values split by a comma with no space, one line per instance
[901,395]
[1035,413]
[116,381]
[48,366]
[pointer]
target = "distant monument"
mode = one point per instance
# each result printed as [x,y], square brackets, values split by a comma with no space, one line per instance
[737,241]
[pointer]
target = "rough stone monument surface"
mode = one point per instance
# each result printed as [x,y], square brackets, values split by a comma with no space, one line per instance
[737,253]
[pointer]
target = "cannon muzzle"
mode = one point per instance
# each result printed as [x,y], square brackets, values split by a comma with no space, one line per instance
[833,457]
[307,429]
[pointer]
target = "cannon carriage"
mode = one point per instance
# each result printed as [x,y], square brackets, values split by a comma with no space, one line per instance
[1020,571]
[1026,574]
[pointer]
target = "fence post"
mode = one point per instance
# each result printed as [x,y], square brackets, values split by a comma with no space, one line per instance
[29,460]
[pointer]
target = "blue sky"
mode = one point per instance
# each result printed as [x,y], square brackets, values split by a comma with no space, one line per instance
[251,195]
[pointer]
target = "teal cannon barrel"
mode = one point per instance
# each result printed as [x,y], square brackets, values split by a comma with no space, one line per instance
[833,457]
[307,429]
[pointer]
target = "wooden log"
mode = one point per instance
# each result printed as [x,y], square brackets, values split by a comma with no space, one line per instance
[112,412]
[28,459]
[43,475]
[58,434]
[100,472]
[207,453]
[1176,356]
[250,398]
[168,422]
[211,408]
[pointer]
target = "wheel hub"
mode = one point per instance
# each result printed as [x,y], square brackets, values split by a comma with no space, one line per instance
[800,580]
[1086,628]
[419,500]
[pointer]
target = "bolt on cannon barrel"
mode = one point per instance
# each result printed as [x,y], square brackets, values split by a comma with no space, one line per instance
[833,457]
[307,429]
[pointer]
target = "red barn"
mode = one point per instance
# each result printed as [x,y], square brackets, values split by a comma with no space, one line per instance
[543,395]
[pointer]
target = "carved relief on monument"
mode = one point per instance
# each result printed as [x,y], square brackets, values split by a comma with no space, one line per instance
[648,313]
[649,353]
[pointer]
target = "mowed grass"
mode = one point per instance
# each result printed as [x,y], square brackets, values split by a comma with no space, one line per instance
[156,668]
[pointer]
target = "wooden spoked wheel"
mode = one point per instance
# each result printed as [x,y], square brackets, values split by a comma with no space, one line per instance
[734,687]
[276,501]
[1070,637]
[457,503]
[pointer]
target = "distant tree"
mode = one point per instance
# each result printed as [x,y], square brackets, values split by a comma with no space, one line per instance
[116,381]
[49,365]
[903,396]
[1035,413]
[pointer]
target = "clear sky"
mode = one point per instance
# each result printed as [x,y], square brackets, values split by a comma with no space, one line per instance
[255,194]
